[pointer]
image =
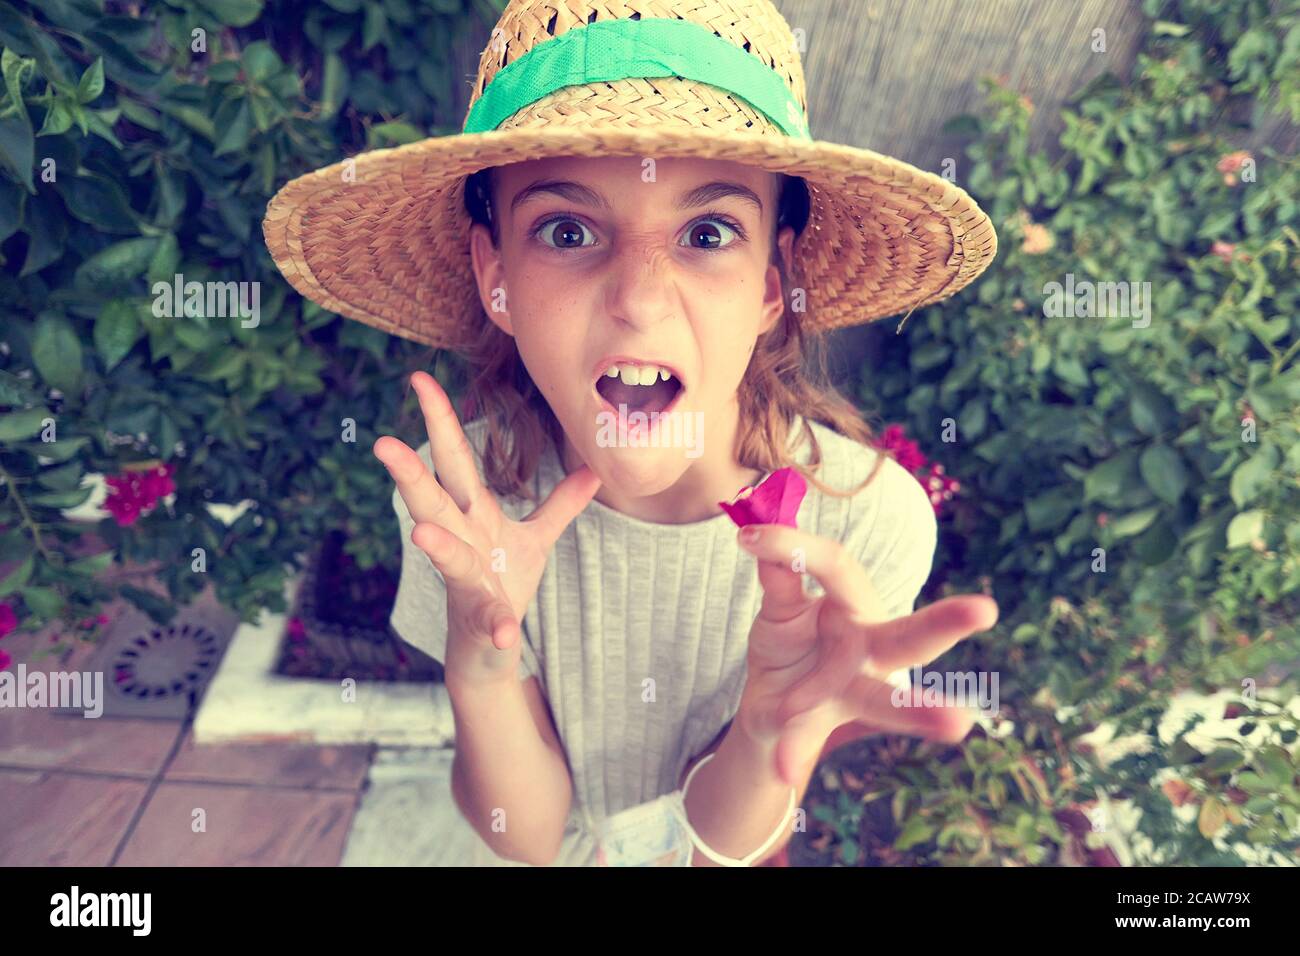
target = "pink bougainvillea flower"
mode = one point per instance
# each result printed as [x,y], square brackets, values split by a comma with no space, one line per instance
[906,452]
[939,487]
[5,660]
[134,493]
[297,631]
[1224,250]
[8,619]
[1232,162]
[775,500]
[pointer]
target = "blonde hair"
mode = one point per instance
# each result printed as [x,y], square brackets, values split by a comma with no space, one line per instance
[787,377]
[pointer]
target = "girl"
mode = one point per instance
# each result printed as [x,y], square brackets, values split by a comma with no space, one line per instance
[637,245]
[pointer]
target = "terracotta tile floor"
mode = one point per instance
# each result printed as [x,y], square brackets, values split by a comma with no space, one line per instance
[132,792]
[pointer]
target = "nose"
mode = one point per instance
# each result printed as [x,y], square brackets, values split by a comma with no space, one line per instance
[642,287]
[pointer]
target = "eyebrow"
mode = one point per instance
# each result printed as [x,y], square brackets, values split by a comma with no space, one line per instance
[578,193]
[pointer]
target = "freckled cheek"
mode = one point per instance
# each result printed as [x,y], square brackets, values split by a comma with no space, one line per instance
[550,319]
[727,312]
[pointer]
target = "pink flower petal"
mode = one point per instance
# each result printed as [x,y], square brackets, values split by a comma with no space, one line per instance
[775,500]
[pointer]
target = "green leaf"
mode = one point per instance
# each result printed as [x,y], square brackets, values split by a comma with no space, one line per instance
[1152,412]
[1217,224]
[915,831]
[116,265]
[1245,528]
[1134,522]
[17,148]
[43,602]
[192,118]
[92,82]
[117,329]
[14,67]
[374,27]
[1106,481]
[1163,471]
[166,259]
[261,62]
[64,448]
[97,201]
[1157,545]
[1050,509]
[334,85]
[100,122]
[233,13]
[57,351]
[1253,475]
[158,608]
[61,477]
[1223,759]
[92,564]
[15,426]
[18,577]
[58,120]
[234,125]
[395,132]
[12,198]
[1274,765]
[62,499]
[47,230]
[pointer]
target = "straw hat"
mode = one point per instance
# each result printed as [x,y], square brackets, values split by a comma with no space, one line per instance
[383,237]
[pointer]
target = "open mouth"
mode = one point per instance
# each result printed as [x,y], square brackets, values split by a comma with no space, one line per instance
[619,384]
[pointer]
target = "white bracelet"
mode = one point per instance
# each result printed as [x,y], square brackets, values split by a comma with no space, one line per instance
[680,807]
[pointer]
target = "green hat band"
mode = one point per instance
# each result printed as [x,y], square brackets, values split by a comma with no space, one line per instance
[609,50]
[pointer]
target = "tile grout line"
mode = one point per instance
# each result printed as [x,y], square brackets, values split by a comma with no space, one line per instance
[197,781]
[154,783]
[358,798]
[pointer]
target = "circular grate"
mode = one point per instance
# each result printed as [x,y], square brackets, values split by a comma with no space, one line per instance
[165,662]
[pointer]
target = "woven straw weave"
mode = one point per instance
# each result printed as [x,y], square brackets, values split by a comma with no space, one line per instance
[383,238]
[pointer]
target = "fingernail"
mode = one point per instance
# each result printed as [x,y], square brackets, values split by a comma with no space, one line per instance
[749,535]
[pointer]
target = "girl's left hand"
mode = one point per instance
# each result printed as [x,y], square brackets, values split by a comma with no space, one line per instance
[818,662]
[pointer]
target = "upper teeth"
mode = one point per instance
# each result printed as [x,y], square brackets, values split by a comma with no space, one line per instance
[638,374]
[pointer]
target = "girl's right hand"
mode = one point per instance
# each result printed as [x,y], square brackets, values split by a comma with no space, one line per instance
[492,564]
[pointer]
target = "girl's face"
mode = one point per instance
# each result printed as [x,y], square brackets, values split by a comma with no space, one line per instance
[651,267]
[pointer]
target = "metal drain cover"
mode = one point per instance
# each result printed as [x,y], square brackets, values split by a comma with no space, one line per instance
[161,670]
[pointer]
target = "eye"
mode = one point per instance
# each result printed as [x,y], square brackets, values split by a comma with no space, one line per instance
[711,233]
[565,234]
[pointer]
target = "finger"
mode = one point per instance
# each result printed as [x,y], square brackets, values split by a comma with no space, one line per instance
[456,561]
[453,459]
[426,500]
[461,568]
[565,502]
[925,634]
[498,621]
[843,577]
[894,710]
[784,595]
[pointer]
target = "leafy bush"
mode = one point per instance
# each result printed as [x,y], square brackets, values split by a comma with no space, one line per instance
[1169,441]
[136,148]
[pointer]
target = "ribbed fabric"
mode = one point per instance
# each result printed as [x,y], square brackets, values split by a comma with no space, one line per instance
[638,630]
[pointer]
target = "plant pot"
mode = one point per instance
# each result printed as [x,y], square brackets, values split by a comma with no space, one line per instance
[339,626]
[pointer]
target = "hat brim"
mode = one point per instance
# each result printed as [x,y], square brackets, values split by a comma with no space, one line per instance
[382,238]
